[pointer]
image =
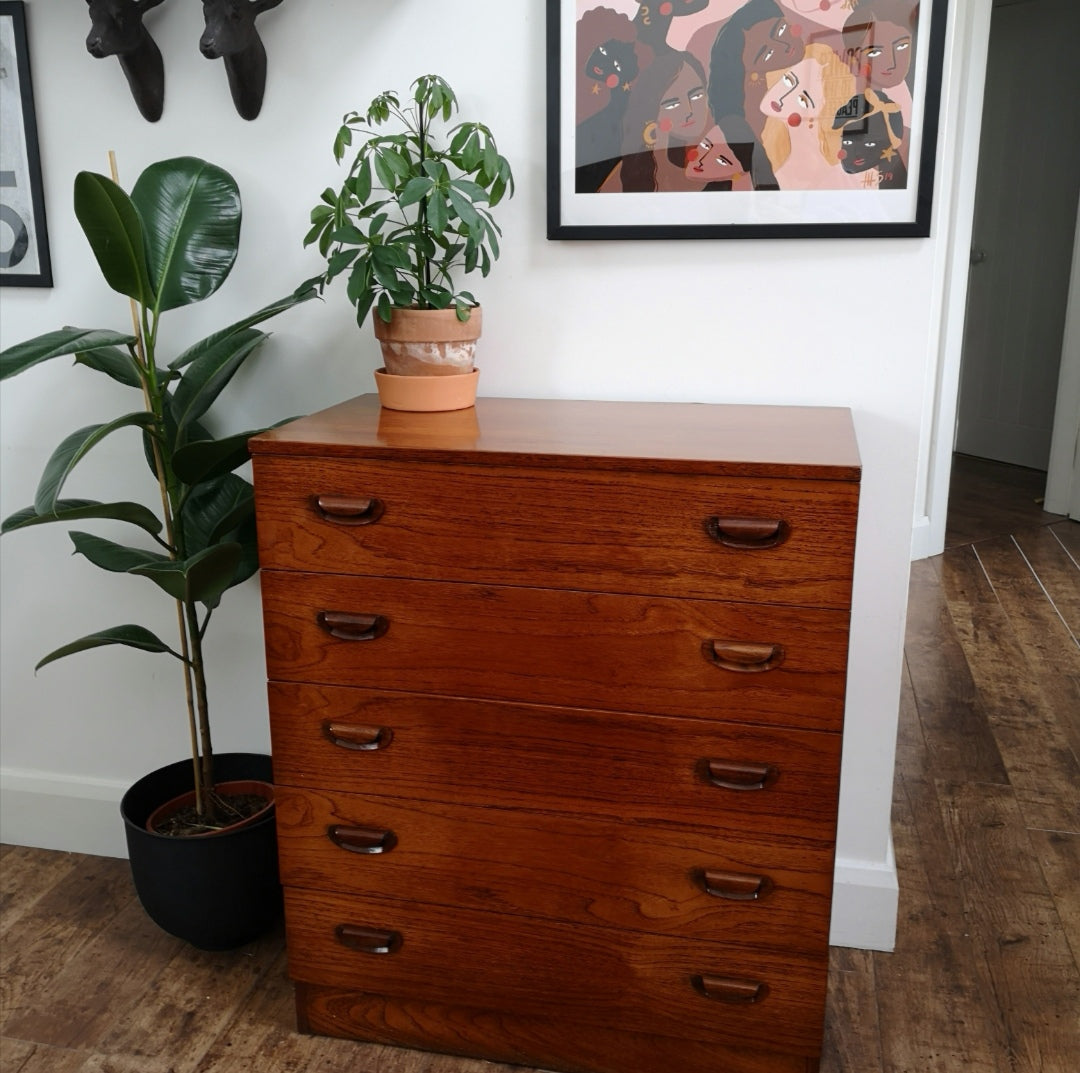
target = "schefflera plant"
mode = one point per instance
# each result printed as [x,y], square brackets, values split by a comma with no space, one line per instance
[171,243]
[414,209]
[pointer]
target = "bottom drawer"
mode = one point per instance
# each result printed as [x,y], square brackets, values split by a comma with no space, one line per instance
[534,1042]
[680,988]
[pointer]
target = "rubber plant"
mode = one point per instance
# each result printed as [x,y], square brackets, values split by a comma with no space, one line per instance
[414,209]
[171,243]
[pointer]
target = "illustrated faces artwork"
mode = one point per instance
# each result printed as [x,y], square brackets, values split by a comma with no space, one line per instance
[612,64]
[797,95]
[769,46]
[864,144]
[682,112]
[651,116]
[714,159]
[885,57]
[828,13]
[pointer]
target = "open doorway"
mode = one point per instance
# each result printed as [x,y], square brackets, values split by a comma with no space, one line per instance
[1025,219]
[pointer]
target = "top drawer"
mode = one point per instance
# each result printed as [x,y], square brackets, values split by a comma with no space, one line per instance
[748,539]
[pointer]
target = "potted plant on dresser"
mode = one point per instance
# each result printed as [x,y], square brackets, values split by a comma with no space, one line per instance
[206,870]
[413,211]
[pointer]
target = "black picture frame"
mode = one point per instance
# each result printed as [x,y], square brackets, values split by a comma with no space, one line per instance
[24,239]
[712,212]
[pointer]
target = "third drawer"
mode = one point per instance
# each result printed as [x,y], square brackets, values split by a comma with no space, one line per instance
[765,781]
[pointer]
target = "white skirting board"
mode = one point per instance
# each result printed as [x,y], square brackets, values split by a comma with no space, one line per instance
[38,808]
[41,809]
[866,899]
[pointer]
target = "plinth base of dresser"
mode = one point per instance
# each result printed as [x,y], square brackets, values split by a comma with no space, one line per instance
[525,1041]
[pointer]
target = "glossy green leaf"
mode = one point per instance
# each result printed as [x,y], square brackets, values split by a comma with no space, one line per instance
[414,190]
[191,224]
[207,376]
[73,448]
[304,293]
[56,344]
[215,509]
[202,577]
[112,226]
[108,555]
[112,361]
[361,183]
[437,216]
[70,510]
[203,460]
[131,636]
[464,209]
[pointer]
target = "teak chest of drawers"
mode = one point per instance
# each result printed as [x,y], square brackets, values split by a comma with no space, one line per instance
[556,699]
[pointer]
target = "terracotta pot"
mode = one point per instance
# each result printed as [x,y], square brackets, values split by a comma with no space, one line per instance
[237,786]
[428,342]
[427,393]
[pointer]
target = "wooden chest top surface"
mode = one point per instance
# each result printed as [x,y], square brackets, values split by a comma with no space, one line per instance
[734,440]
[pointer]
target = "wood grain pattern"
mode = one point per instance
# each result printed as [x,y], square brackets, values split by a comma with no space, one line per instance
[563,648]
[597,531]
[527,595]
[1007,655]
[754,441]
[56,928]
[635,768]
[1056,571]
[572,974]
[505,1037]
[1024,953]
[937,1015]
[948,709]
[594,872]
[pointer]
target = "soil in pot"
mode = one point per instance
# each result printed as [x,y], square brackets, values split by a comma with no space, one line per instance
[236,804]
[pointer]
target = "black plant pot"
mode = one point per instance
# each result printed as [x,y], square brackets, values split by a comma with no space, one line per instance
[216,892]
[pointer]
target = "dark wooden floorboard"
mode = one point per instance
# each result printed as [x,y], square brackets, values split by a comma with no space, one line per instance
[986,824]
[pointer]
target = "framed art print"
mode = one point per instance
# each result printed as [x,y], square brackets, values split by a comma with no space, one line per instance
[742,118]
[24,242]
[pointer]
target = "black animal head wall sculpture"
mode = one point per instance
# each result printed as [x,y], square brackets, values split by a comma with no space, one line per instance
[118,30]
[230,35]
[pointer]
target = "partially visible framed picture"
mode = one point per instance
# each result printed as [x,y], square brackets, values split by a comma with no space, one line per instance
[742,118]
[24,241]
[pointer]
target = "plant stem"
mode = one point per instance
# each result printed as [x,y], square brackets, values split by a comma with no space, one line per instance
[424,266]
[206,752]
[153,402]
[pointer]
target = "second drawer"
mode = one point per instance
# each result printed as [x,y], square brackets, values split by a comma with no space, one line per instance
[703,658]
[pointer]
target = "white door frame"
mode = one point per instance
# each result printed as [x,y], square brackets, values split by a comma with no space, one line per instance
[1063,474]
[971,49]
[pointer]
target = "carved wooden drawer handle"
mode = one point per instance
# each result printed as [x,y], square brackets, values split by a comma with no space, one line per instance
[349,510]
[747,534]
[362,839]
[347,626]
[743,657]
[354,736]
[368,940]
[730,989]
[733,775]
[735,886]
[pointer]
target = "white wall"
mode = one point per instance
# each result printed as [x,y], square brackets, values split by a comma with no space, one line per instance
[840,322]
